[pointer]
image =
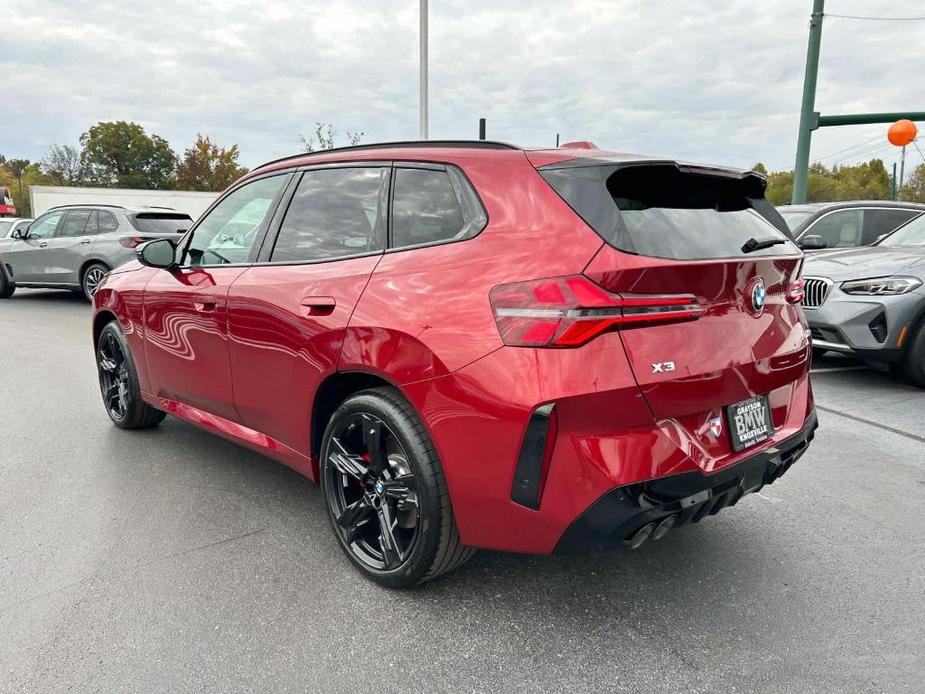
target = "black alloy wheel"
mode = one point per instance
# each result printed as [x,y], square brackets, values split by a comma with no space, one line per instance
[119,382]
[371,492]
[113,376]
[386,496]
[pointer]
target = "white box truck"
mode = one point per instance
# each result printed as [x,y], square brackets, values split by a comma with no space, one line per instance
[193,203]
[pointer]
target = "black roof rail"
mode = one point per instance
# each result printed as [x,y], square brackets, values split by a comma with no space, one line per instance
[87,204]
[462,144]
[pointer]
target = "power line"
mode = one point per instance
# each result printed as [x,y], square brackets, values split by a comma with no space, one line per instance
[877,19]
[846,149]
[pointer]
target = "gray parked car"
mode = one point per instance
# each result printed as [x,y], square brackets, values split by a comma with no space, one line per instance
[870,302]
[8,225]
[74,246]
[846,224]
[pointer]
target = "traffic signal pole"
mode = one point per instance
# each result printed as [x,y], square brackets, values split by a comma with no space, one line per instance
[808,109]
[810,119]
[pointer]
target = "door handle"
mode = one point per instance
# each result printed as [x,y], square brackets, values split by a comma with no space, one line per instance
[205,306]
[43,244]
[85,241]
[318,305]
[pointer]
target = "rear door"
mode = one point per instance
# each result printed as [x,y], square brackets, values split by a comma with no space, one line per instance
[677,237]
[288,313]
[70,245]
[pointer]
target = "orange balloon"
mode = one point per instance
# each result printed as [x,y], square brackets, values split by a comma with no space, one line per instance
[902,132]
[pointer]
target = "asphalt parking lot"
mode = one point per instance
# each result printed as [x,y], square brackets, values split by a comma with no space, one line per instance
[172,561]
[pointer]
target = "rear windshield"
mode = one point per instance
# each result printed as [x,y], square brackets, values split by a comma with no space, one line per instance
[663,211]
[161,222]
[4,227]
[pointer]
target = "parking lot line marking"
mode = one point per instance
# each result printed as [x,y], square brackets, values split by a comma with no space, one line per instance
[892,430]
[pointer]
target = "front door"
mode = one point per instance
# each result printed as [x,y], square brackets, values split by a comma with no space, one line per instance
[288,316]
[29,256]
[186,308]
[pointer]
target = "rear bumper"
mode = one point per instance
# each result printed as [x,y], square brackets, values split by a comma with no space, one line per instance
[621,513]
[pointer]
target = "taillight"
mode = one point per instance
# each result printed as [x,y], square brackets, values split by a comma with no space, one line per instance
[570,311]
[795,292]
[132,241]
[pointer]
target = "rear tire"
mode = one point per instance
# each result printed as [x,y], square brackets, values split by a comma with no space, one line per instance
[356,488]
[7,285]
[90,280]
[119,382]
[913,363]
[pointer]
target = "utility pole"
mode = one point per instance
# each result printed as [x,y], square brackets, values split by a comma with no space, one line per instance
[423,33]
[808,114]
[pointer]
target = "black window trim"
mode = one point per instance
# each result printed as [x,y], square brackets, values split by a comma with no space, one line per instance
[99,221]
[63,222]
[266,252]
[183,244]
[468,189]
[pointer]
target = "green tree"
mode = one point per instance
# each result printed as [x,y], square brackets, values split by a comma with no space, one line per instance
[914,187]
[760,168]
[866,181]
[63,164]
[206,166]
[122,155]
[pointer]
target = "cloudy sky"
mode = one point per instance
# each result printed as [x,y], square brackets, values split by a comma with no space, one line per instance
[716,81]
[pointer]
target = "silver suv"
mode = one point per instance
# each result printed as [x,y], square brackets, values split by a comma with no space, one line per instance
[74,246]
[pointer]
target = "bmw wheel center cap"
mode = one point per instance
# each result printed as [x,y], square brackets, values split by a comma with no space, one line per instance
[379,487]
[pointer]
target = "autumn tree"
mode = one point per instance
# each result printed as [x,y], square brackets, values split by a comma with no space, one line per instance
[18,175]
[324,137]
[206,166]
[122,155]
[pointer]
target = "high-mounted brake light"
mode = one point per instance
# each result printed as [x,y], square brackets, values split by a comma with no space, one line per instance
[571,311]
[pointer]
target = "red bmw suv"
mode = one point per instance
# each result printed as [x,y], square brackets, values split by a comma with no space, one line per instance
[470,344]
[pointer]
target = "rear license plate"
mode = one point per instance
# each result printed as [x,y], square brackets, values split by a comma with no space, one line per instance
[749,422]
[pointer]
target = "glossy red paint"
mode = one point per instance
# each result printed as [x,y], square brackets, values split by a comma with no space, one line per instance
[242,350]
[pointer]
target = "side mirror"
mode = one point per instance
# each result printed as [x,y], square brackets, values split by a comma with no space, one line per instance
[21,232]
[813,243]
[160,253]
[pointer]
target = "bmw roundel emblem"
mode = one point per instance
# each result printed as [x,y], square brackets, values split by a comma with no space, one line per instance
[758,296]
[379,487]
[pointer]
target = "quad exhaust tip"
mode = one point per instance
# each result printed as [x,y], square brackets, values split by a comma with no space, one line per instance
[651,531]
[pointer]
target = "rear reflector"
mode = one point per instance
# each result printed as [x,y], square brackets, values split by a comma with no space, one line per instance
[535,455]
[570,311]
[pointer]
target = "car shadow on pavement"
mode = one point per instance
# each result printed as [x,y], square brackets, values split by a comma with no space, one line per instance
[49,296]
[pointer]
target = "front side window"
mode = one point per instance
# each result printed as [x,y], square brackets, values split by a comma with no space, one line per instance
[333,213]
[841,229]
[75,223]
[228,232]
[794,218]
[44,227]
[5,228]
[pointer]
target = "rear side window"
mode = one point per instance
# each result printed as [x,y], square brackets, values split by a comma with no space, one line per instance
[106,221]
[333,213]
[433,206]
[663,211]
[161,222]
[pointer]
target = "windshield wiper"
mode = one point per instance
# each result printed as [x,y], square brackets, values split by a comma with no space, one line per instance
[754,244]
